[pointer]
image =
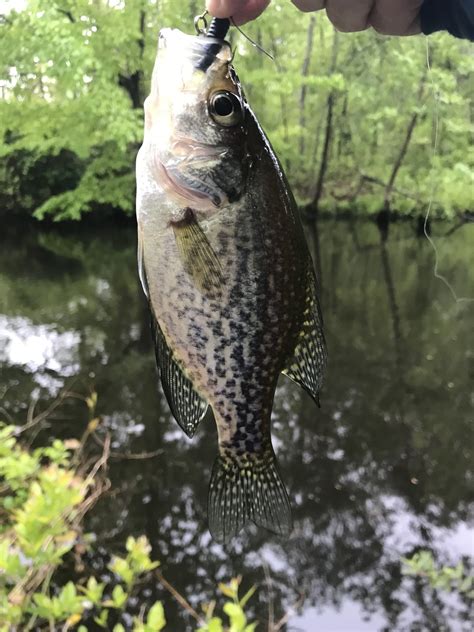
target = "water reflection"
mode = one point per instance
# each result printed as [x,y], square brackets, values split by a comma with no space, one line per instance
[38,347]
[383,468]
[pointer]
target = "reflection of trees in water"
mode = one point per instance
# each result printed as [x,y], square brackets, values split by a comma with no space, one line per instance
[388,446]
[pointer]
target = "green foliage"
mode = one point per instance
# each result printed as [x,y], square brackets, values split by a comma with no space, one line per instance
[40,501]
[76,85]
[136,562]
[62,92]
[43,497]
[450,578]
[234,609]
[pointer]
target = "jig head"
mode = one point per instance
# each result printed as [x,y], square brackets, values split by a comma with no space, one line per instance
[218,27]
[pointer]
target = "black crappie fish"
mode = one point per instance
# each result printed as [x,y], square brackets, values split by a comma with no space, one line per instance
[225,266]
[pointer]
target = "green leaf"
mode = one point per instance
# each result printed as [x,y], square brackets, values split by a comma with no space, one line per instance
[122,568]
[119,596]
[247,596]
[466,584]
[236,615]
[227,590]
[156,617]
[68,598]
[215,625]
[139,555]
[94,590]
[44,605]
[101,619]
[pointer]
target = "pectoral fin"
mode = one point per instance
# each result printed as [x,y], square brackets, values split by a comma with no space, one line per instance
[187,406]
[306,366]
[197,255]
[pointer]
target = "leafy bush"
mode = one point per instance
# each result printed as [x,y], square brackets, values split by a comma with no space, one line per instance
[44,494]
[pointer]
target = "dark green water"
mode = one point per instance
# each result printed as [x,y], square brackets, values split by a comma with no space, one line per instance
[383,468]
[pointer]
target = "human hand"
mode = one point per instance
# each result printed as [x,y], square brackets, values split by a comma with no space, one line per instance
[391,17]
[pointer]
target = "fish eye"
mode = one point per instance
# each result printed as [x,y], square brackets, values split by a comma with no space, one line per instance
[226,108]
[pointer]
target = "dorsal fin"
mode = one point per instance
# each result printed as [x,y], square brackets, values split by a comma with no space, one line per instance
[308,362]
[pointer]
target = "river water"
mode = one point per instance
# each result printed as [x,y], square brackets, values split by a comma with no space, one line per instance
[383,469]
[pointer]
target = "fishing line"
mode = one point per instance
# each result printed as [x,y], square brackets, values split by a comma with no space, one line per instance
[443,279]
[201,26]
[253,42]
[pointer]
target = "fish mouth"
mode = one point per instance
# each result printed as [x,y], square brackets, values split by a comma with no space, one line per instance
[201,51]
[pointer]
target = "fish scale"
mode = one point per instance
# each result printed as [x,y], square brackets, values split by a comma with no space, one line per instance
[228,275]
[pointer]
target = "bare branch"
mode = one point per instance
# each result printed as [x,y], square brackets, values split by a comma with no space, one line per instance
[68,14]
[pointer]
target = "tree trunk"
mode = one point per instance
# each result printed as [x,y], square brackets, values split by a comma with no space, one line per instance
[403,149]
[304,74]
[283,104]
[132,83]
[325,153]
[314,154]
[392,306]
[327,133]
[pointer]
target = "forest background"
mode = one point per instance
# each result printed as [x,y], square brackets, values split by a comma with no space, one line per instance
[360,122]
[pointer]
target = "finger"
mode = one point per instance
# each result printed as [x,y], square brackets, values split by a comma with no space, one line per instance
[396,18]
[309,5]
[349,15]
[249,11]
[240,10]
[223,8]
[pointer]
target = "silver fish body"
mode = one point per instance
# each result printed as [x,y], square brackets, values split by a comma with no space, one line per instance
[227,272]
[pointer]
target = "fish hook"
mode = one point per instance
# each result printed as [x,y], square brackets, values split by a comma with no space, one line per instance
[218,27]
[200,23]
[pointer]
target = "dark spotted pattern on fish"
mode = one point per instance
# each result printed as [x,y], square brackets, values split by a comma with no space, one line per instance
[230,286]
[235,348]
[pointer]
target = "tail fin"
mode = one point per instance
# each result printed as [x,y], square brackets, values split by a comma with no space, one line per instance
[249,491]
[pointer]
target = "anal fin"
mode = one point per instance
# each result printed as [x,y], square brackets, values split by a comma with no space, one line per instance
[187,406]
[307,365]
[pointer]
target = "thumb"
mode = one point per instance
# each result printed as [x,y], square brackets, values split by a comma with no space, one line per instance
[223,8]
[241,10]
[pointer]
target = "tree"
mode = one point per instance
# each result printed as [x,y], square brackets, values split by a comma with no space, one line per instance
[77,82]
